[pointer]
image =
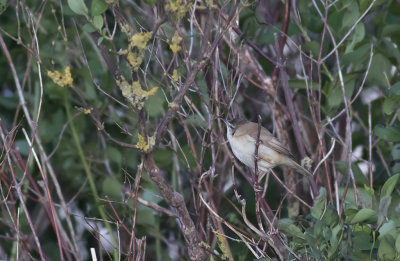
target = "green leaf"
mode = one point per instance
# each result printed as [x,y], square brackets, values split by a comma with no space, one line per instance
[351,14]
[397,244]
[78,7]
[390,30]
[9,102]
[145,216]
[358,56]
[386,250]
[391,50]
[22,146]
[387,229]
[112,188]
[391,104]
[98,22]
[363,196]
[319,204]
[89,91]
[89,28]
[395,88]
[163,158]
[334,239]
[389,185]
[358,36]
[98,7]
[286,226]
[350,212]
[312,47]
[335,94]
[50,129]
[114,155]
[363,215]
[358,175]
[379,66]
[389,133]
[396,152]
[100,40]
[3,6]
[369,190]
[301,84]
[150,196]
[384,204]
[362,240]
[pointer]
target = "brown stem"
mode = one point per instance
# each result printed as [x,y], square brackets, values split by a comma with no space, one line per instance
[176,200]
[256,188]
[284,78]
[282,41]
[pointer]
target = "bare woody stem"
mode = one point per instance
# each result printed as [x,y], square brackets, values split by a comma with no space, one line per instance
[284,78]
[257,190]
[176,200]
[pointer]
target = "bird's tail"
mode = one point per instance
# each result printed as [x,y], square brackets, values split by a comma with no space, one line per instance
[291,163]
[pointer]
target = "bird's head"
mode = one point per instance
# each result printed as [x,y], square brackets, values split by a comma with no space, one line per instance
[232,125]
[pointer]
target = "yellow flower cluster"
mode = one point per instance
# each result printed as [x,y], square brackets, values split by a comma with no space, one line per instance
[222,245]
[135,59]
[176,40]
[134,92]
[140,40]
[143,145]
[137,46]
[178,7]
[175,75]
[61,79]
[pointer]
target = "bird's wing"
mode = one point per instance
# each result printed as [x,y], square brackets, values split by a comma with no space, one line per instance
[266,138]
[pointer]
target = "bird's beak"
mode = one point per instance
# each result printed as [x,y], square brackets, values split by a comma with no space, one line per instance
[227,123]
[224,120]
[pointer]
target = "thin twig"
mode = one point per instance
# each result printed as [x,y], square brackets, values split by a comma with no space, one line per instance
[38,141]
[175,200]
[284,78]
[256,186]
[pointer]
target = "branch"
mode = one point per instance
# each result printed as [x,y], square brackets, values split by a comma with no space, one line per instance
[257,190]
[284,78]
[176,200]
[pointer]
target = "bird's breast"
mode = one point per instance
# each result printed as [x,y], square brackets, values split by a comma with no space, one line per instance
[243,148]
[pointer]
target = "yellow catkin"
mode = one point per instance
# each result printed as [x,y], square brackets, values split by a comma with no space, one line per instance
[61,79]
[175,75]
[178,7]
[134,92]
[175,43]
[137,46]
[222,246]
[140,40]
[142,144]
[135,59]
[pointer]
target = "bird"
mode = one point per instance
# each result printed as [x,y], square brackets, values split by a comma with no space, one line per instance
[242,136]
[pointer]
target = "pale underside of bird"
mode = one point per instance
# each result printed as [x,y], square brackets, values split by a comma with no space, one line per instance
[242,137]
